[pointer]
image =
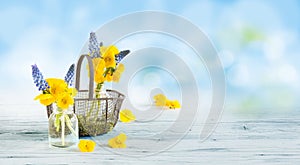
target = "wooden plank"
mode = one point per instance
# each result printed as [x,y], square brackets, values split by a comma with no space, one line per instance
[24,140]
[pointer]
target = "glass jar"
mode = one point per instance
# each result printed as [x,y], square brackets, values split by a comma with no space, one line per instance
[63,128]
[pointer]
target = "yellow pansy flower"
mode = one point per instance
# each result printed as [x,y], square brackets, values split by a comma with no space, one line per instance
[172,104]
[108,54]
[45,99]
[86,145]
[57,86]
[160,100]
[109,60]
[99,66]
[64,101]
[126,116]
[118,141]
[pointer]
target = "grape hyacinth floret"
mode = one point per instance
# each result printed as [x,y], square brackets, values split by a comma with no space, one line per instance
[94,46]
[70,75]
[38,78]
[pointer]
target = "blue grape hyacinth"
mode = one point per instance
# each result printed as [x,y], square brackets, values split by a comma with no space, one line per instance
[38,78]
[121,55]
[94,46]
[69,78]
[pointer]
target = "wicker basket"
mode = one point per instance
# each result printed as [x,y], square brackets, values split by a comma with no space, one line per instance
[96,116]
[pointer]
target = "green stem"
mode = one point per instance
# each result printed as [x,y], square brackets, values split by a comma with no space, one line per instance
[98,109]
[98,90]
[91,109]
[110,70]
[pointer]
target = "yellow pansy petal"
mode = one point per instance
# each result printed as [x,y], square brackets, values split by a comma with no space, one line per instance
[116,76]
[96,61]
[103,49]
[38,96]
[121,68]
[56,82]
[168,103]
[99,64]
[72,91]
[57,86]
[122,137]
[118,141]
[109,77]
[99,78]
[86,145]
[126,116]
[99,72]
[109,49]
[45,99]
[176,104]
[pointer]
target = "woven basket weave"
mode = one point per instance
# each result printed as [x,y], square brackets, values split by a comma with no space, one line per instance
[96,116]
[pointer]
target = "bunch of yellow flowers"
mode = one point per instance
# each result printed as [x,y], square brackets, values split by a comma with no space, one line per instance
[106,68]
[55,90]
[106,62]
[58,92]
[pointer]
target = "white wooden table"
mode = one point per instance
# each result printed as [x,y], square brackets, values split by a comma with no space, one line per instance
[237,140]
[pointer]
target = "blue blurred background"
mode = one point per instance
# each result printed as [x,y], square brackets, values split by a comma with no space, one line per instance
[258,44]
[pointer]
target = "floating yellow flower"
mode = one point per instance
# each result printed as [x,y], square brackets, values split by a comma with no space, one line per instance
[160,100]
[86,145]
[108,54]
[64,101]
[45,99]
[172,104]
[126,116]
[57,86]
[118,141]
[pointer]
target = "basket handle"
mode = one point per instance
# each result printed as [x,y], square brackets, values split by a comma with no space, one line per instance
[91,70]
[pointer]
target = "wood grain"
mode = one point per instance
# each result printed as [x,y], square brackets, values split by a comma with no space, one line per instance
[248,140]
